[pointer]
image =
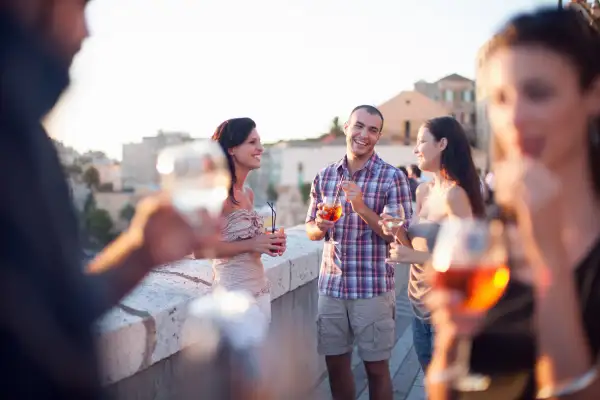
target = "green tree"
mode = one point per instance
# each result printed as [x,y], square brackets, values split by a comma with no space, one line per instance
[127,212]
[91,177]
[100,226]
[305,190]
[90,204]
[336,129]
[272,194]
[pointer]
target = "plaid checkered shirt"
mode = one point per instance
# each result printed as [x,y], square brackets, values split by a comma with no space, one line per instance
[355,268]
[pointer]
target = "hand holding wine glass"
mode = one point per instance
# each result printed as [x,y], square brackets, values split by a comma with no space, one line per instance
[469,276]
[392,219]
[322,223]
[331,211]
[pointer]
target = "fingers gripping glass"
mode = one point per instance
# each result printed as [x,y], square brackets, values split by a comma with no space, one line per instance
[470,257]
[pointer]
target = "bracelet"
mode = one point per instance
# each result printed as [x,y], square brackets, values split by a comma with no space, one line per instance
[570,387]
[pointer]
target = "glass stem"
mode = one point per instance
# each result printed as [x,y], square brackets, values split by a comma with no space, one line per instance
[463,356]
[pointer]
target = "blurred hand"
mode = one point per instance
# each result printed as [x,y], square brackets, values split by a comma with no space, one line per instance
[164,236]
[321,223]
[531,190]
[450,320]
[407,255]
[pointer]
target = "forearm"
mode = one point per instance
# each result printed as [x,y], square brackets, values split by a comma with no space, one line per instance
[116,271]
[563,350]
[372,219]
[313,232]
[418,257]
[402,237]
[228,249]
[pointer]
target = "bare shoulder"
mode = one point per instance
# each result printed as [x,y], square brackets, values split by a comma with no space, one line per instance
[423,190]
[228,207]
[458,203]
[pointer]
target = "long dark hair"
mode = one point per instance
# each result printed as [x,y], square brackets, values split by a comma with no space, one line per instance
[456,162]
[230,134]
[568,33]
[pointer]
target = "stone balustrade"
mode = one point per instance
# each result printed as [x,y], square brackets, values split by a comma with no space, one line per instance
[142,339]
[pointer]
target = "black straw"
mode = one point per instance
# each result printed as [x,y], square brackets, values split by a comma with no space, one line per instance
[273,216]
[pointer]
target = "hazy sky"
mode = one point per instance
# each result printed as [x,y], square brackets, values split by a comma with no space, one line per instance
[290,65]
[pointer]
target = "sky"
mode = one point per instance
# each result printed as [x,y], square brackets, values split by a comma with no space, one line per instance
[292,66]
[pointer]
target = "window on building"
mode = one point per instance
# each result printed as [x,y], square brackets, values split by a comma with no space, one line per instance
[407,132]
[448,95]
[468,96]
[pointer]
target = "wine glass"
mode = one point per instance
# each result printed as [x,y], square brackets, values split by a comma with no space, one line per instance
[332,211]
[196,176]
[470,257]
[396,217]
[225,333]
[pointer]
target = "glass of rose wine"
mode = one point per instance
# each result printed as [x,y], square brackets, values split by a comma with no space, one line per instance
[332,211]
[470,257]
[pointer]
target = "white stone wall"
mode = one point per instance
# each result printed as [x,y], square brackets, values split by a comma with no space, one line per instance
[147,327]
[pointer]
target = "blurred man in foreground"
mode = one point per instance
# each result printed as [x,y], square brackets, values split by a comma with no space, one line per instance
[47,303]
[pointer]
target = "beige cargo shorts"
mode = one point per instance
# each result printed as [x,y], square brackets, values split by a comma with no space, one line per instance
[368,323]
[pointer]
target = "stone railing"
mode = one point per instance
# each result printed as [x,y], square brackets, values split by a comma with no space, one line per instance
[141,339]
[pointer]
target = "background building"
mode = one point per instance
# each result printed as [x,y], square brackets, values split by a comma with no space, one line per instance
[405,113]
[457,94]
[138,166]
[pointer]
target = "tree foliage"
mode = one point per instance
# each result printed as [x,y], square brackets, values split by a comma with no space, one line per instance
[127,212]
[91,177]
[305,190]
[272,194]
[100,226]
[336,129]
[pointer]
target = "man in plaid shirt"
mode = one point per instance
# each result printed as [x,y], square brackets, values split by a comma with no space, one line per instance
[356,287]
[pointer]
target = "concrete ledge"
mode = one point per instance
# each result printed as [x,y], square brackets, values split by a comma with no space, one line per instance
[147,326]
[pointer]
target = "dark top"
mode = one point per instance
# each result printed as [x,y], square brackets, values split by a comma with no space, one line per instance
[413,184]
[506,349]
[46,304]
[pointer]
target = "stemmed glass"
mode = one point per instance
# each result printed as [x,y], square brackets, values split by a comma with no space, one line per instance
[197,178]
[396,217]
[394,221]
[470,257]
[332,211]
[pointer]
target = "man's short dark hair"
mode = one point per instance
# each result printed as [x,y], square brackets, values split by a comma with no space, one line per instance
[370,110]
[416,170]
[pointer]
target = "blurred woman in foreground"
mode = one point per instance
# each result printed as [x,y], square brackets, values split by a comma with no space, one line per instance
[542,74]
